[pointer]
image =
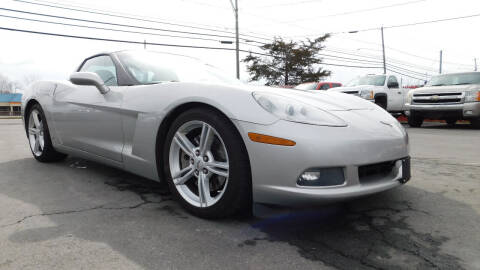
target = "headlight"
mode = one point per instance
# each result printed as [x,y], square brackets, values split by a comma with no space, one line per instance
[366,94]
[410,96]
[472,96]
[295,111]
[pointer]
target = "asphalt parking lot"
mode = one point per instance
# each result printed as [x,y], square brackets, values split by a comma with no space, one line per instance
[82,215]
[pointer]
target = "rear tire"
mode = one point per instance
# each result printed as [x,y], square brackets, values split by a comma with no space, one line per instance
[415,120]
[39,136]
[227,188]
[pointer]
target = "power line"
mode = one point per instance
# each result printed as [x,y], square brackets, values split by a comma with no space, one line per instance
[322,63]
[113,24]
[409,76]
[107,29]
[377,58]
[412,24]
[359,11]
[154,44]
[104,13]
[288,4]
[406,53]
[114,40]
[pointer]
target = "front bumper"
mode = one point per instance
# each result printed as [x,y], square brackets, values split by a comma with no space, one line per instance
[275,169]
[463,110]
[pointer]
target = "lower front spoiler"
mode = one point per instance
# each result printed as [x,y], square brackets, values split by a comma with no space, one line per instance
[301,196]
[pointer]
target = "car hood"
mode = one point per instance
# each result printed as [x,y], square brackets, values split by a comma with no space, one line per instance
[353,88]
[358,113]
[446,88]
[325,100]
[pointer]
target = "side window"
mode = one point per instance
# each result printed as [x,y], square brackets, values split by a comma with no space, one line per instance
[392,82]
[336,85]
[104,67]
[325,86]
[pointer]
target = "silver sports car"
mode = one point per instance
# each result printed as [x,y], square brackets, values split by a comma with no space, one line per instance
[219,144]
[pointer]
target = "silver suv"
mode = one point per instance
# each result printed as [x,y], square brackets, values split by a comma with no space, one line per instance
[448,97]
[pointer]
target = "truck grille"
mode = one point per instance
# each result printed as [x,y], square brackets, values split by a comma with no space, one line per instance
[438,98]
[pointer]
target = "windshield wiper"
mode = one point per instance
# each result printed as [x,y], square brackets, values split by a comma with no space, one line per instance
[438,84]
[460,83]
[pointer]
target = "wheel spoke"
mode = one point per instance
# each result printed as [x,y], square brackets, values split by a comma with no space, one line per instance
[181,177]
[33,131]
[203,189]
[184,143]
[36,146]
[206,138]
[36,119]
[41,140]
[219,168]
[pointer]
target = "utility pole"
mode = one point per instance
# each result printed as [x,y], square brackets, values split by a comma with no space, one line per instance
[237,44]
[383,50]
[475,60]
[441,55]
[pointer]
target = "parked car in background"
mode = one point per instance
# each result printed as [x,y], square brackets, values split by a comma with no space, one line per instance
[220,145]
[383,90]
[317,85]
[448,97]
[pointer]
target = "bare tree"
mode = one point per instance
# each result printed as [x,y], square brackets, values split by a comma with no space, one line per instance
[6,85]
[29,78]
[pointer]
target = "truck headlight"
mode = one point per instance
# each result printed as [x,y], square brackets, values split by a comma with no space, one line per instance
[366,94]
[472,96]
[410,96]
[295,111]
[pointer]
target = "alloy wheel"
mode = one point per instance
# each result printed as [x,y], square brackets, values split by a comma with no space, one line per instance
[198,161]
[36,135]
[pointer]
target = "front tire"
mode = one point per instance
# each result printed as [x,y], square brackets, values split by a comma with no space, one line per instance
[382,102]
[39,136]
[451,122]
[206,164]
[415,120]
[475,123]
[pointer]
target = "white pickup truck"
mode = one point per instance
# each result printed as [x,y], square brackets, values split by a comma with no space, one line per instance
[383,90]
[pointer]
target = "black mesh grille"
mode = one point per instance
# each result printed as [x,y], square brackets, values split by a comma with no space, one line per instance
[450,100]
[439,94]
[372,172]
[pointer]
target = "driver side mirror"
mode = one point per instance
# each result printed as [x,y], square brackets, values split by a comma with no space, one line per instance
[392,85]
[89,78]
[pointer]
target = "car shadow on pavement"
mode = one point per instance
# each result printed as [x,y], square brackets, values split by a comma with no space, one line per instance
[401,228]
[460,126]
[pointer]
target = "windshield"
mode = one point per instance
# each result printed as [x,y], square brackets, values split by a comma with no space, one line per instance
[306,86]
[455,79]
[151,67]
[377,80]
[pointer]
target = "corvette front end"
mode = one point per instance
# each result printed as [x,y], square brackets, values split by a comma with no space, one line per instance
[368,154]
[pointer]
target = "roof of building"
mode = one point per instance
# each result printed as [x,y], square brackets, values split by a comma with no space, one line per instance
[10,97]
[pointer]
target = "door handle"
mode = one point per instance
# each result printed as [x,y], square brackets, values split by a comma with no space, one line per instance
[399,92]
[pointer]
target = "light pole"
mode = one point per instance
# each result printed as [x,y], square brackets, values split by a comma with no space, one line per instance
[237,44]
[383,50]
[440,68]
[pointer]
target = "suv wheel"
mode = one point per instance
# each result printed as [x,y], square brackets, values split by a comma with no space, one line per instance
[451,122]
[475,123]
[415,120]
